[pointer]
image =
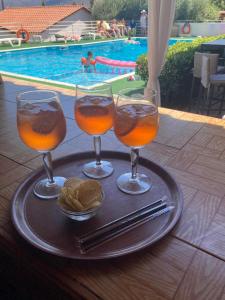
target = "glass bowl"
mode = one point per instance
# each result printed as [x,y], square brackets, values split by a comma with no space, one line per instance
[81,215]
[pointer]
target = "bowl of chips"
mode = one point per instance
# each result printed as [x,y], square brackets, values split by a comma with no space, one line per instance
[80,199]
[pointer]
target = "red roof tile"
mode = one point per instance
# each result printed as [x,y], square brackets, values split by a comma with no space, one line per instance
[36,18]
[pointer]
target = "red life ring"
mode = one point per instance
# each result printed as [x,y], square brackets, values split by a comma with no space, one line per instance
[186,28]
[24,34]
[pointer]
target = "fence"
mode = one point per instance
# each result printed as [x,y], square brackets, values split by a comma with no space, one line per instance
[89,28]
[65,28]
[205,21]
[48,32]
[201,28]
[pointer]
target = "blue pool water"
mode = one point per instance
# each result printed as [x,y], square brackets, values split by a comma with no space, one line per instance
[63,63]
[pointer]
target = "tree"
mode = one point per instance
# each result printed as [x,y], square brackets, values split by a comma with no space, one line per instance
[107,9]
[132,9]
[92,3]
[183,10]
[110,9]
[219,3]
[196,10]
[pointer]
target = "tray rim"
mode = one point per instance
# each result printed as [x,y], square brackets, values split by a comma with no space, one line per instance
[84,155]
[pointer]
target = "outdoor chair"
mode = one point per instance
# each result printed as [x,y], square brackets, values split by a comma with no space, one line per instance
[214,68]
[11,40]
[197,71]
[60,38]
[37,38]
[210,80]
[92,35]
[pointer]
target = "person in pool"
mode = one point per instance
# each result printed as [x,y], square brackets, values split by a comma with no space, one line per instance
[130,41]
[88,63]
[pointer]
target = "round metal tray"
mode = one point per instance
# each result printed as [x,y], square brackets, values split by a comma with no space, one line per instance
[42,224]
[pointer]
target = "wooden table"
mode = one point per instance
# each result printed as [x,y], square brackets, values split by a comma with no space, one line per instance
[188,264]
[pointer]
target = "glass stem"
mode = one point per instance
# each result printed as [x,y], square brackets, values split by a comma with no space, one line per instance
[47,160]
[97,146]
[134,154]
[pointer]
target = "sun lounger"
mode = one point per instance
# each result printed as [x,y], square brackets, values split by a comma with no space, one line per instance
[92,35]
[10,41]
[60,38]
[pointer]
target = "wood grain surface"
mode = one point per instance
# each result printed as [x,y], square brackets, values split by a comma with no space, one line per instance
[188,264]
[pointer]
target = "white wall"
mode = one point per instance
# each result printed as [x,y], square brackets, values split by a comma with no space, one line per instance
[4,33]
[204,29]
[75,27]
[80,15]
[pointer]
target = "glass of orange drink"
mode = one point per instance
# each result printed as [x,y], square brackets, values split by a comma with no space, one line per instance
[42,127]
[94,110]
[135,125]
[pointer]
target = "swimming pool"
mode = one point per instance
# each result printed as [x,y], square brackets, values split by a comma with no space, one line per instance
[62,63]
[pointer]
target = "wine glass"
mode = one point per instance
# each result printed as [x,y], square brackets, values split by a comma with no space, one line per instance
[94,109]
[41,126]
[135,125]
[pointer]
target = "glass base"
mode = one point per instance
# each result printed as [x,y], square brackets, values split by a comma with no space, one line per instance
[44,190]
[131,186]
[95,171]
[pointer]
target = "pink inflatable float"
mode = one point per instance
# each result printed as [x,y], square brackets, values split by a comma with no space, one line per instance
[115,63]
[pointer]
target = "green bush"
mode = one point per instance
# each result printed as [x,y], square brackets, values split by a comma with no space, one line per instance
[142,67]
[175,78]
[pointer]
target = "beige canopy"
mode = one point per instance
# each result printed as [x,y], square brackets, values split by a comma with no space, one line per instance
[161,15]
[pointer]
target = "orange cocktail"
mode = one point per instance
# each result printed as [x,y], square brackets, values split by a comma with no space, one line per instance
[136,124]
[94,114]
[42,127]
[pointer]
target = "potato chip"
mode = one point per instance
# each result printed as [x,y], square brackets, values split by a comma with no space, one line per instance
[64,205]
[88,191]
[80,195]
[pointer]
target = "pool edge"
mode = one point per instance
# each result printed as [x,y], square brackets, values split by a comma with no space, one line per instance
[61,45]
[69,86]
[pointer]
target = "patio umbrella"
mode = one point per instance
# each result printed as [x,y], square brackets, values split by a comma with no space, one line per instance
[161,15]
